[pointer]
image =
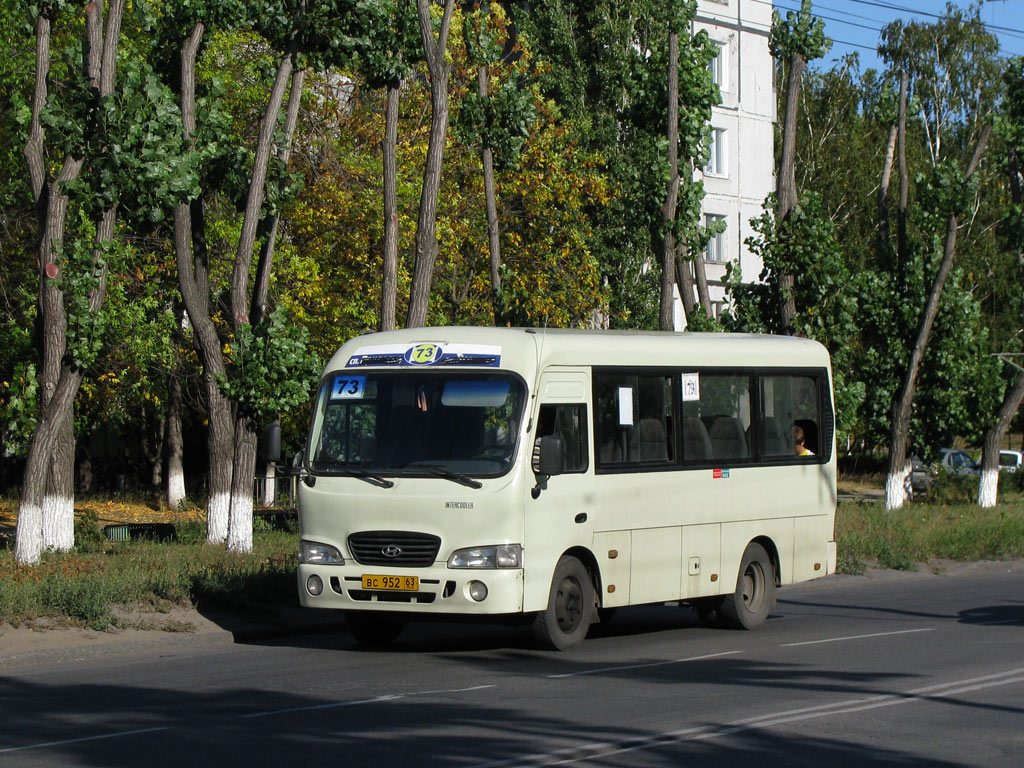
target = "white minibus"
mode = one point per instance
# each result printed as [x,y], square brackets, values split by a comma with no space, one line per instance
[556,475]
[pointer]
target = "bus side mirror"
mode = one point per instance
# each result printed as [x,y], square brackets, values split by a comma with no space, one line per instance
[270,443]
[548,460]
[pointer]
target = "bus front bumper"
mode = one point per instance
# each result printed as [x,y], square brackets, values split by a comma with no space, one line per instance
[437,590]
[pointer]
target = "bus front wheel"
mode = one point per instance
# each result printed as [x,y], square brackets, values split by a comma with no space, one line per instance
[748,606]
[564,623]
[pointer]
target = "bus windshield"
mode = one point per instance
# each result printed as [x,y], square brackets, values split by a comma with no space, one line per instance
[419,423]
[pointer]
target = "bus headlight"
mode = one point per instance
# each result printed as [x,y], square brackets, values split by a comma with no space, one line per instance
[315,553]
[500,556]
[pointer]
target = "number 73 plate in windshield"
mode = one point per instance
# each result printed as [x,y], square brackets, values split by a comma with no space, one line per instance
[400,583]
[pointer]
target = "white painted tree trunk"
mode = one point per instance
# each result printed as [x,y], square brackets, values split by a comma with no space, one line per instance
[240,530]
[175,487]
[895,488]
[217,511]
[270,486]
[988,487]
[28,544]
[58,522]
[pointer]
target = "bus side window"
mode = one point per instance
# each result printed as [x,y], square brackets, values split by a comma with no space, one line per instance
[569,421]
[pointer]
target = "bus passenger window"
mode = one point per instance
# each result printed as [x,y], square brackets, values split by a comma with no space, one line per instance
[569,421]
[634,419]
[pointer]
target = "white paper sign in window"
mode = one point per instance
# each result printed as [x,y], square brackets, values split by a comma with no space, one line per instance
[625,406]
[691,387]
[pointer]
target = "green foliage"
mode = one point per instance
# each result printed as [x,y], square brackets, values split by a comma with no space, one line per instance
[272,370]
[18,409]
[137,158]
[502,120]
[801,33]
[606,70]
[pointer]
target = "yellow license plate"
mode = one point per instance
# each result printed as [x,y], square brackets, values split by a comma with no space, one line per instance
[401,583]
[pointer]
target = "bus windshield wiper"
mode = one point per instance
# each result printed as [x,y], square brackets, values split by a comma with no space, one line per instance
[362,474]
[438,470]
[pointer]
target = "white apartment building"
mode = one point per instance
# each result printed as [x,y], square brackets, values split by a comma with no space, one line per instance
[741,170]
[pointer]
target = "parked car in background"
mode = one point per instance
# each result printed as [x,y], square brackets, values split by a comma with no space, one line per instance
[1010,461]
[958,462]
[920,479]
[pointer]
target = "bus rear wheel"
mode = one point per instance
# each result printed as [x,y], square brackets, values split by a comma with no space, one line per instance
[564,623]
[373,629]
[748,606]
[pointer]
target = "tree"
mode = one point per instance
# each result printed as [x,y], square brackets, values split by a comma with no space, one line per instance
[497,120]
[950,73]
[113,135]
[389,56]
[794,42]
[257,374]
[608,65]
[426,225]
[1010,127]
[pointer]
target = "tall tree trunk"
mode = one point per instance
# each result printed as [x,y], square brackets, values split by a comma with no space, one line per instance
[883,189]
[786,193]
[902,245]
[684,280]
[895,493]
[175,446]
[703,294]
[193,279]
[491,205]
[426,223]
[668,210]
[389,278]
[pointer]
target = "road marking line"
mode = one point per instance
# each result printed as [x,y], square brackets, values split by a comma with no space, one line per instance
[641,666]
[358,702]
[607,749]
[117,735]
[857,637]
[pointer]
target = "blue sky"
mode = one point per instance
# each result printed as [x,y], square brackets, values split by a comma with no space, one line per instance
[855,25]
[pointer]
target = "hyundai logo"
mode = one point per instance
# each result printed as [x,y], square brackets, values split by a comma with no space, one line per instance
[391,550]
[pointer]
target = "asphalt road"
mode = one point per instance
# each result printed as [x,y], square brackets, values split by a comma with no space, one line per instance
[903,670]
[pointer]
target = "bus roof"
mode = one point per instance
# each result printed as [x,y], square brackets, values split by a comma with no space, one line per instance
[522,349]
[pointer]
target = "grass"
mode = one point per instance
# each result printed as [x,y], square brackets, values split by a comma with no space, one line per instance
[86,586]
[869,535]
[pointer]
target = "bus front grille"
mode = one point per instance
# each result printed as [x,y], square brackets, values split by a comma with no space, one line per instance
[399,548]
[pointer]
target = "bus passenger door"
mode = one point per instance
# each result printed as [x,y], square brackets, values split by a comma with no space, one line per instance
[558,508]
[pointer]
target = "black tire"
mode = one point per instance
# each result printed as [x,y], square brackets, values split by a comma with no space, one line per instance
[564,623]
[373,629]
[748,606]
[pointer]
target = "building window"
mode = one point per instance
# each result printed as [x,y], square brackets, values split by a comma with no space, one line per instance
[716,154]
[717,67]
[714,251]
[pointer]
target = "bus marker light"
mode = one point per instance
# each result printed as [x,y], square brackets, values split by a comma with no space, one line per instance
[478,590]
[314,585]
[612,554]
[611,587]
[714,577]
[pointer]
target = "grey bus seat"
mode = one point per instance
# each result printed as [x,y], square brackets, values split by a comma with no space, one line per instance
[696,443]
[728,440]
[776,441]
[651,441]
